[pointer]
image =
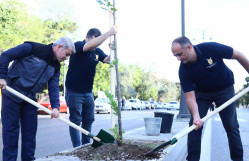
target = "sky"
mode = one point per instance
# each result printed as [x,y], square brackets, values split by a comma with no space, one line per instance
[147,28]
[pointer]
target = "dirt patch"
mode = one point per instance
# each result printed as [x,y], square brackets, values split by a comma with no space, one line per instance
[126,151]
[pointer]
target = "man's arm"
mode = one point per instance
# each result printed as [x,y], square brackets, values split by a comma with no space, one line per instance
[53,88]
[107,59]
[6,57]
[242,59]
[92,44]
[193,109]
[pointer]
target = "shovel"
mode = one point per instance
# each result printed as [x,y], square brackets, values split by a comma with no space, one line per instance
[178,136]
[102,137]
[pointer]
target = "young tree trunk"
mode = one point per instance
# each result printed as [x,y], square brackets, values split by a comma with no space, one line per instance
[118,81]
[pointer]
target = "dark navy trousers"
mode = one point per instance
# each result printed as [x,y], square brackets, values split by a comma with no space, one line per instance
[229,121]
[15,115]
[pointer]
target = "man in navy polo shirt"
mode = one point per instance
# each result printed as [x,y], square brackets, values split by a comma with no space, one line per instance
[79,81]
[205,79]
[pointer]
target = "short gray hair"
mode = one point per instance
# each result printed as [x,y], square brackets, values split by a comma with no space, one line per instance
[66,42]
[183,41]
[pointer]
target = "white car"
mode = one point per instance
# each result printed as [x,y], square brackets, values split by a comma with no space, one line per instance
[135,104]
[127,105]
[143,105]
[173,105]
[159,105]
[102,105]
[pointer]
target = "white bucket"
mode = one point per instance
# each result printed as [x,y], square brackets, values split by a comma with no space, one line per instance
[153,125]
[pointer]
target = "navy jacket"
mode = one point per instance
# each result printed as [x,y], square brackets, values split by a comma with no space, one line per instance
[34,66]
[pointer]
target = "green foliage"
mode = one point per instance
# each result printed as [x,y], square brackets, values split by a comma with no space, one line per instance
[112,102]
[115,132]
[17,26]
[107,5]
[136,83]
[113,63]
[244,100]
[101,79]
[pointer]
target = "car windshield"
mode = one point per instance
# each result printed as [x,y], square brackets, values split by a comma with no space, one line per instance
[133,101]
[45,99]
[101,100]
[173,102]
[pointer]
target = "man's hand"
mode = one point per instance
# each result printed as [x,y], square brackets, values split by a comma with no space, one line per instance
[3,83]
[55,113]
[198,122]
[112,46]
[113,30]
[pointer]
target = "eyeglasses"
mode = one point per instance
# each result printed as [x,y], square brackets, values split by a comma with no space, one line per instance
[178,54]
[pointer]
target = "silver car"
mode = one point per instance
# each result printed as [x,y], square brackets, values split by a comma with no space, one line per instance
[102,105]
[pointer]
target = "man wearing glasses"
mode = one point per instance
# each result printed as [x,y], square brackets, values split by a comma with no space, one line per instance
[205,79]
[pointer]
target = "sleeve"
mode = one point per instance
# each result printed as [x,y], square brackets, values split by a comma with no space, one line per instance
[223,51]
[17,52]
[187,83]
[79,47]
[53,88]
[102,55]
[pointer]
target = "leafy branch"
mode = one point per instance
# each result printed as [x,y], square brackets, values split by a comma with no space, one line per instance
[112,102]
[106,5]
[115,132]
[113,63]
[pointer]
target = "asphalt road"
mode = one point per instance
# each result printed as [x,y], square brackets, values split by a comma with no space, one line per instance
[53,135]
[214,141]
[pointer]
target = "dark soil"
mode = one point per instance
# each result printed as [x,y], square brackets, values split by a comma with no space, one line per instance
[126,151]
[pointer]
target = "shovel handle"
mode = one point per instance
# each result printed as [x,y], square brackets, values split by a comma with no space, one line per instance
[49,112]
[211,114]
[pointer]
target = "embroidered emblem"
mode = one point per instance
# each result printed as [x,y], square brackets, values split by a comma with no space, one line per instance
[210,61]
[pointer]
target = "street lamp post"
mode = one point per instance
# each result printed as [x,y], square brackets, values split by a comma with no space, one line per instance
[183,112]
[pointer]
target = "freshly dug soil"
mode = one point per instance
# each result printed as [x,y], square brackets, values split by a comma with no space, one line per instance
[126,151]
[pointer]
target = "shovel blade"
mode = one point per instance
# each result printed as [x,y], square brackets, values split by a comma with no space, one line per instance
[166,144]
[105,137]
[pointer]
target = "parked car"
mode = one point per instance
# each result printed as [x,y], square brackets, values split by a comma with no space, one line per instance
[173,105]
[135,104]
[147,105]
[159,105]
[165,105]
[143,105]
[102,105]
[45,101]
[153,104]
[127,106]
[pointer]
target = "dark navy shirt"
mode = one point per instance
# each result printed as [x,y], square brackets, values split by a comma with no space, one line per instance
[82,68]
[209,73]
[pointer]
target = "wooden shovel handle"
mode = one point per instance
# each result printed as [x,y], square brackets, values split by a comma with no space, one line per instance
[49,112]
[211,114]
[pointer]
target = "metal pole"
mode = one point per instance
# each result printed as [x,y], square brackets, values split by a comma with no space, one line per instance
[183,112]
[183,17]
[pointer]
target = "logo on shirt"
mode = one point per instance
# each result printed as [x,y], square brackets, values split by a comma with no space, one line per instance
[97,56]
[210,62]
